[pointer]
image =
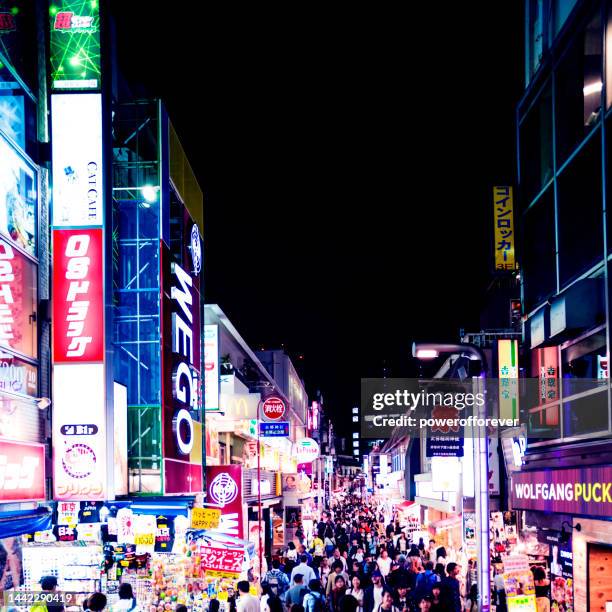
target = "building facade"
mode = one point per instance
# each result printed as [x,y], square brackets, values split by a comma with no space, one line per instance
[563,130]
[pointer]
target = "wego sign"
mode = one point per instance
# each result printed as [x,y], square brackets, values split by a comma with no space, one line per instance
[182,365]
[185,377]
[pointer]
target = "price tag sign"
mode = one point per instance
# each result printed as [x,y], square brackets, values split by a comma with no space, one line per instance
[144,539]
[205,518]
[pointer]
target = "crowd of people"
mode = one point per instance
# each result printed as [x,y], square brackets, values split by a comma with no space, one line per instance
[357,561]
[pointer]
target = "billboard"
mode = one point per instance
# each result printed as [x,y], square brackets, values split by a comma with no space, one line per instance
[75,44]
[78,300]
[224,491]
[18,301]
[79,432]
[508,372]
[18,197]
[181,360]
[211,367]
[22,471]
[579,491]
[503,220]
[78,195]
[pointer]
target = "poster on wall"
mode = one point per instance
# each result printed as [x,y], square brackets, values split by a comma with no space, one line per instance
[18,197]
[561,572]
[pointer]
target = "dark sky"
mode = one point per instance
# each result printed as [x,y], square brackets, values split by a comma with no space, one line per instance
[347,159]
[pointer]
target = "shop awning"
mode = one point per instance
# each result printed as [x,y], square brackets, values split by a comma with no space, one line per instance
[447,523]
[165,507]
[17,522]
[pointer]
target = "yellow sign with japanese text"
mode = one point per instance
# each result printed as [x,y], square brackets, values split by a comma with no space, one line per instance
[503,219]
[205,518]
[508,372]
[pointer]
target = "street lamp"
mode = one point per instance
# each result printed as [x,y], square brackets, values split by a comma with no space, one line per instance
[423,350]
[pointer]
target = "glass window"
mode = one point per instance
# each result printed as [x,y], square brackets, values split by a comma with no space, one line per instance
[580,212]
[149,363]
[536,146]
[583,361]
[562,10]
[587,414]
[578,88]
[535,35]
[539,259]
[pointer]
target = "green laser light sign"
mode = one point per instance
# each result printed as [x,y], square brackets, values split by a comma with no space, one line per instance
[75,44]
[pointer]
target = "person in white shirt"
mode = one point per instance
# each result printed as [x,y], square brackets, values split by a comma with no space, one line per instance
[304,569]
[384,563]
[246,601]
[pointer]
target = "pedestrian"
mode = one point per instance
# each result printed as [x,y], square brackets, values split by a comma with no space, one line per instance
[384,563]
[348,604]
[402,543]
[425,603]
[471,601]
[356,591]
[402,600]
[183,607]
[127,601]
[436,602]
[278,581]
[96,602]
[246,601]
[295,595]
[337,593]
[450,588]
[425,581]
[48,584]
[331,579]
[314,600]
[542,589]
[291,552]
[304,569]
[373,594]
[387,603]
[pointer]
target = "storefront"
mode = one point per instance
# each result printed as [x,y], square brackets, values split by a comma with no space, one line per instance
[157,546]
[569,513]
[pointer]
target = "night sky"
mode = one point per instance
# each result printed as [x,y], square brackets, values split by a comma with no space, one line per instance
[347,159]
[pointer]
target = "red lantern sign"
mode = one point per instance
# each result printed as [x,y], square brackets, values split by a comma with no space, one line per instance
[274,408]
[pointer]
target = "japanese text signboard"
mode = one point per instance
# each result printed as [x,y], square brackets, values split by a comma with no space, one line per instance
[221,562]
[503,218]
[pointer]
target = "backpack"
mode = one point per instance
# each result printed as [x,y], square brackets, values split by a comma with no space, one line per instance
[318,606]
[424,584]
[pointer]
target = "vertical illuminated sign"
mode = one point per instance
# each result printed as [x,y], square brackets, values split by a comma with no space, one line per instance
[211,367]
[182,358]
[503,227]
[507,355]
[75,44]
[81,458]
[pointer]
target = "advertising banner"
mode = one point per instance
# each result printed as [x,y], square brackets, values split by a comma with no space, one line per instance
[18,289]
[75,44]
[503,219]
[221,562]
[78,194]
[580,491]
[224,490]
[22,471]
[79,432]
[78,300]
[181,362]
[507,356]
[18,197]
[306,450]
[211,367]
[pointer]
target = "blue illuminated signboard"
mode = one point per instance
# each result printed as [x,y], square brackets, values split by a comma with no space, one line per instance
[274,430]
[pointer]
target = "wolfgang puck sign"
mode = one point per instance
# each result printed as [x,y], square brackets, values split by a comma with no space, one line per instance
[581,491]
[273,408]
